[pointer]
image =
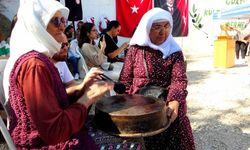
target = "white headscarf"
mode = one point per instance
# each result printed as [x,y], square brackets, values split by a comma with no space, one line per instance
[30,32]
[141,35]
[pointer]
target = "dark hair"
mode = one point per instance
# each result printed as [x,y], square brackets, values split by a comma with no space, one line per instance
[86,28]
[13,23]
[78,24]
[113,23]
[68,28]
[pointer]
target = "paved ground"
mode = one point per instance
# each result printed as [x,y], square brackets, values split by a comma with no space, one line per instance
[219,105]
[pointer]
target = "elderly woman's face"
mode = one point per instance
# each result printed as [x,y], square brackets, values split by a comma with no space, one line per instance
[159,32]
[56,27]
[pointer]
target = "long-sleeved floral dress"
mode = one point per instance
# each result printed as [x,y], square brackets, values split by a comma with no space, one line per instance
[169,73]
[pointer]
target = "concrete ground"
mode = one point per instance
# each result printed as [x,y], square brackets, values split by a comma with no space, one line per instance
[218,104]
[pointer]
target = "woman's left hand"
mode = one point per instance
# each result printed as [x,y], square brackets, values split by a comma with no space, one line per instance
[172,110]
[103,45]
[91,77]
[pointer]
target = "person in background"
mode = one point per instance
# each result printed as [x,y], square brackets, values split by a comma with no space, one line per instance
[4,54]
[69,32]
[74,51]
[4,48]
[59,59]
[13,22]
[93,56]
[79,25]
[241,43]
[112,50]
[42,115]
[154,58]
[74,57]
[241,49]
[115,38]
[4,45]
[71,85]
[67,78]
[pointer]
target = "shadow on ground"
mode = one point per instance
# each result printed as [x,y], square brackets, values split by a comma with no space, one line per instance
[197,77]
[221,129]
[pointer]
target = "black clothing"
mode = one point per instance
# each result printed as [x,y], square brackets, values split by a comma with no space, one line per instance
[110,47]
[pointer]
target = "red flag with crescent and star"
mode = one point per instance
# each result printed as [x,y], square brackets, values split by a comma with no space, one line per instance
[129,13]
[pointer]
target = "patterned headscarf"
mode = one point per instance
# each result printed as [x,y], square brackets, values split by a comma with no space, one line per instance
[30,32]
[141,35]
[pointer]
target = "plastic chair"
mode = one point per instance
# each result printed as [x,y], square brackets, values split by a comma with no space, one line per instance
[3,127]
[6,135]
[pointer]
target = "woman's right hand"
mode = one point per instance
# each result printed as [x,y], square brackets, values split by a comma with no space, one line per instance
[172,110]
[92,76]
[94,92]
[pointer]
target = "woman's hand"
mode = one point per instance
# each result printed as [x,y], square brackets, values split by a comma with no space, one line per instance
[102,45]
[77,90]
[94,92]
[125,45]
[172,110]
[92,76]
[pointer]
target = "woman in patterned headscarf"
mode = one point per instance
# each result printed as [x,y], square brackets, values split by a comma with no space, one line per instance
[154,58]
[41,115]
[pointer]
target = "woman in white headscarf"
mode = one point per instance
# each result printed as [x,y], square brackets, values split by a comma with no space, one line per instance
[41,115]
[154,58]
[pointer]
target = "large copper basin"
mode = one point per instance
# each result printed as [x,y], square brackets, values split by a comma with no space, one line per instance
[131,115]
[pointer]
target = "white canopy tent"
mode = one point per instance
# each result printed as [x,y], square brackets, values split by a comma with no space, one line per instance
[237,12]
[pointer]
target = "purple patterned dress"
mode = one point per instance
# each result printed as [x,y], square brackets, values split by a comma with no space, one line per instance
[169,73]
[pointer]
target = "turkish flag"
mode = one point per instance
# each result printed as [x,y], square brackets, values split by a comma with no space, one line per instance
[183,6]
[129,13]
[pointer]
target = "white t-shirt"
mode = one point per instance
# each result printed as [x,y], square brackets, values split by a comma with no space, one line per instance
[64,72]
